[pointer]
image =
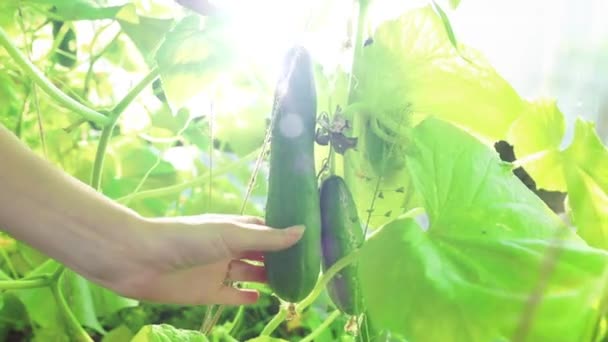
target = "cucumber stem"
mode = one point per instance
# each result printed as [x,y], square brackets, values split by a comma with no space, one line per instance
[275,322]
[319,287]
[329,320]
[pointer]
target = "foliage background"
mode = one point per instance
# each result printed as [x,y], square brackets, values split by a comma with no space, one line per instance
[187,145]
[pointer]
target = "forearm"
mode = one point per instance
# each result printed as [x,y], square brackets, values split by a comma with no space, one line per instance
[57,214]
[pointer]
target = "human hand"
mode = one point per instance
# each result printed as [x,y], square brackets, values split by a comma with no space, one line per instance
[184,260]
[189,260]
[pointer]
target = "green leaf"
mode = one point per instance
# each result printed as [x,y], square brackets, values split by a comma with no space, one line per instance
[119,334]
[464,275]
[223,199]
[410,71]
[190,59]
[147,34]
[412,67]
[266,339]
[379,200]
[240,119]
[90,301]
[586,169]
[167,333]
[537,134]
[86,10]
[87,300]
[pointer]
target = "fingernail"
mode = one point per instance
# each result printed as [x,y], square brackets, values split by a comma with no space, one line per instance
[295,231]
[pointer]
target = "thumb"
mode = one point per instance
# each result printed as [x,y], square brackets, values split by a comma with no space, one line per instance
[248,237]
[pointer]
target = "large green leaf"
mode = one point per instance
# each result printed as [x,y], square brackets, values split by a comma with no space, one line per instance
[586,170]
[87,300]
[190,59]
[487,261]
[412,63]
[119,334]
[241,111]
[409,71]
[147,34]
[537,134]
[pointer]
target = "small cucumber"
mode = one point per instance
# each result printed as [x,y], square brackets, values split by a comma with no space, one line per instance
[341,234]
[293,197]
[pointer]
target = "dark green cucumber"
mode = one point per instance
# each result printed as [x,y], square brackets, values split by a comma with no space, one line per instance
[341,234]
[293,197]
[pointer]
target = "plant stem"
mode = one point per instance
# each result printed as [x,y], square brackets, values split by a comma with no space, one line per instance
[324,280]
[329,320]
[24,283]
[207,318]
[361,22]
[321,284]
[106,133]
[133,93]
[46,85]
[75,330]
[168,190]
[145,177]
[275,322]
[237,319]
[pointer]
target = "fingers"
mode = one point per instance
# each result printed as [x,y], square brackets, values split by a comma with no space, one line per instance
[231,296]
[244,237]
[243,271]
[251,219]
[196,286]
[253,256]
[232,218]
[215,218]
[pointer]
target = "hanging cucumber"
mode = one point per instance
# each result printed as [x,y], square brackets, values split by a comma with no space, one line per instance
[293,197]
[341,234]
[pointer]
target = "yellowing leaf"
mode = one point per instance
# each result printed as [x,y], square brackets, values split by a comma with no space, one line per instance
[167,333]
[537,134]
[412,63]
[586,169]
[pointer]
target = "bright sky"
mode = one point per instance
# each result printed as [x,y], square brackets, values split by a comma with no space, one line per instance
[556,48]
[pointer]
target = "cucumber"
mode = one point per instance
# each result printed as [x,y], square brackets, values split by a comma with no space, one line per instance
[293,197]
[341,234]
